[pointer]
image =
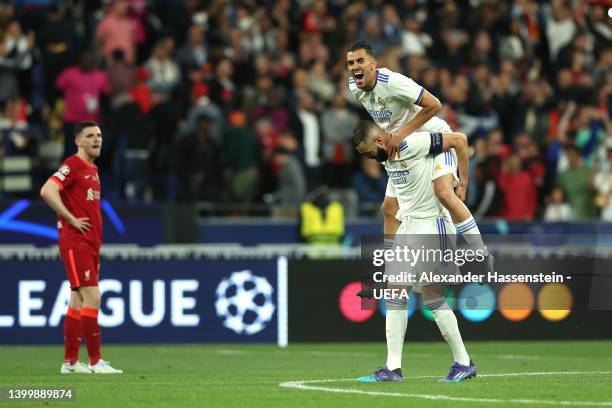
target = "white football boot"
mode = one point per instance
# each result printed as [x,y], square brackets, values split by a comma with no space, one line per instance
[103,367]
[76,368]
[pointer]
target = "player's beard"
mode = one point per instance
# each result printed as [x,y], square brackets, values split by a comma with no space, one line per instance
[381,155]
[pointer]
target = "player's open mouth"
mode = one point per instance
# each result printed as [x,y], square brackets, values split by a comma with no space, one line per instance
[358,75]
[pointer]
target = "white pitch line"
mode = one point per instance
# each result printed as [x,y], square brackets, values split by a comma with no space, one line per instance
[301,385]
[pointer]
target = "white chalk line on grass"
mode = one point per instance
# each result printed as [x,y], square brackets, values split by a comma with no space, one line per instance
[303,385]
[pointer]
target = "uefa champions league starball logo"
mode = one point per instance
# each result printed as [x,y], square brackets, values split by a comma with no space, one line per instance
[244,302]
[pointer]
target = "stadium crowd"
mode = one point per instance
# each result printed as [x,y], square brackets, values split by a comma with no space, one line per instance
[247,101]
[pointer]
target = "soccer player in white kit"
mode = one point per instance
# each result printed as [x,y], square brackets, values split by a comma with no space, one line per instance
[421,215]
[401,107]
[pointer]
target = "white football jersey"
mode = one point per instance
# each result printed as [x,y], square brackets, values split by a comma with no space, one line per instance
[410,179]
[393,102]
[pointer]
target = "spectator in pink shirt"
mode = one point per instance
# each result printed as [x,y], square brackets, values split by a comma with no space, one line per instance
[82,85]
[116,31]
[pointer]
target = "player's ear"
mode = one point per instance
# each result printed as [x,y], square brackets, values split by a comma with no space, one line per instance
[374,62]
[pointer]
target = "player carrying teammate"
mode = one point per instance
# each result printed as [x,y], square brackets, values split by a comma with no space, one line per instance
[423,219]
[73,192]
[401,107]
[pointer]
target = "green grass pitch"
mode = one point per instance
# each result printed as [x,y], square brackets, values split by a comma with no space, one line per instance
[562,373]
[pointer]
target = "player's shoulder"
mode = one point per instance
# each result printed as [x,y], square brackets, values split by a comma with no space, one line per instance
[387,76]
[384,73]
[72,163]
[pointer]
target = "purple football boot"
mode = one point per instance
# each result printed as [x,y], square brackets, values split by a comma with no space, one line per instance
[383,374]
[460,372]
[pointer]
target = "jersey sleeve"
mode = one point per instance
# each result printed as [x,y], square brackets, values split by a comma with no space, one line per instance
[420,144]
[405,89]
[64,176]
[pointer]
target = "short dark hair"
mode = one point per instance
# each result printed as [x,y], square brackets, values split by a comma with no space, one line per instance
[361,45]
[362,130]
[78,128]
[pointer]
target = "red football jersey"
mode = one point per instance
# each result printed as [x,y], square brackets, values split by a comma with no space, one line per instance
[80,193]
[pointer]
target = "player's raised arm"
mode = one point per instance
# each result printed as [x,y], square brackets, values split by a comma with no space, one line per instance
[50,193]
[458,141]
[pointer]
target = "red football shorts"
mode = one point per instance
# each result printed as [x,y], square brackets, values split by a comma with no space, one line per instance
[82,267]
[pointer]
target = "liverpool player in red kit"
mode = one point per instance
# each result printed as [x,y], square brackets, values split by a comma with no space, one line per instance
[73,192]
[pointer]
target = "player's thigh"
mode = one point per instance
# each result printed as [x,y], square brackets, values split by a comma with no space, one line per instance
[91,296]
[81,267]
[76,300]
[446,163]
[390,206]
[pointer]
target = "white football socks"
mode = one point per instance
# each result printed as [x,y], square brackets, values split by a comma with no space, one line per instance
[395,327]
[471,233]
[447,323]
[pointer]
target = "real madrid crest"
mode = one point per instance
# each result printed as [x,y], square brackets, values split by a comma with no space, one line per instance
[403,164]
[380,100]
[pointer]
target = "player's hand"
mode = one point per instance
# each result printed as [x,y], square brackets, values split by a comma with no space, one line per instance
[393,146]
[81,224]
[383,138]
[460,191]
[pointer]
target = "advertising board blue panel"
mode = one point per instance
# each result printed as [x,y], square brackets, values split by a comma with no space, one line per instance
[33,222]
[146,301]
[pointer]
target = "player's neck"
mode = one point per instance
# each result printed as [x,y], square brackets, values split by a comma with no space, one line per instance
[86,158]
[371,86]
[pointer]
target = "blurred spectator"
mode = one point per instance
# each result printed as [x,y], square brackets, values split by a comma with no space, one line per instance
[320,84]
[577,184]
[370,183]
[603,183]
[478,157]
[310,137]
[128,128]
[120,74]
[198,165]
[141,92]
[15,60]
[83,86]
[164,73]
[519,200]
[560,27]
[14,132]
[242,158]
[557,209]
[414,40]
[58,41]
[194,52]
[291,180]
[223,91]
[115,31]
[337,150]
[202,105]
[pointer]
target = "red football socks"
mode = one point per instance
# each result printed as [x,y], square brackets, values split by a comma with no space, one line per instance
[72,335]
[91,331]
